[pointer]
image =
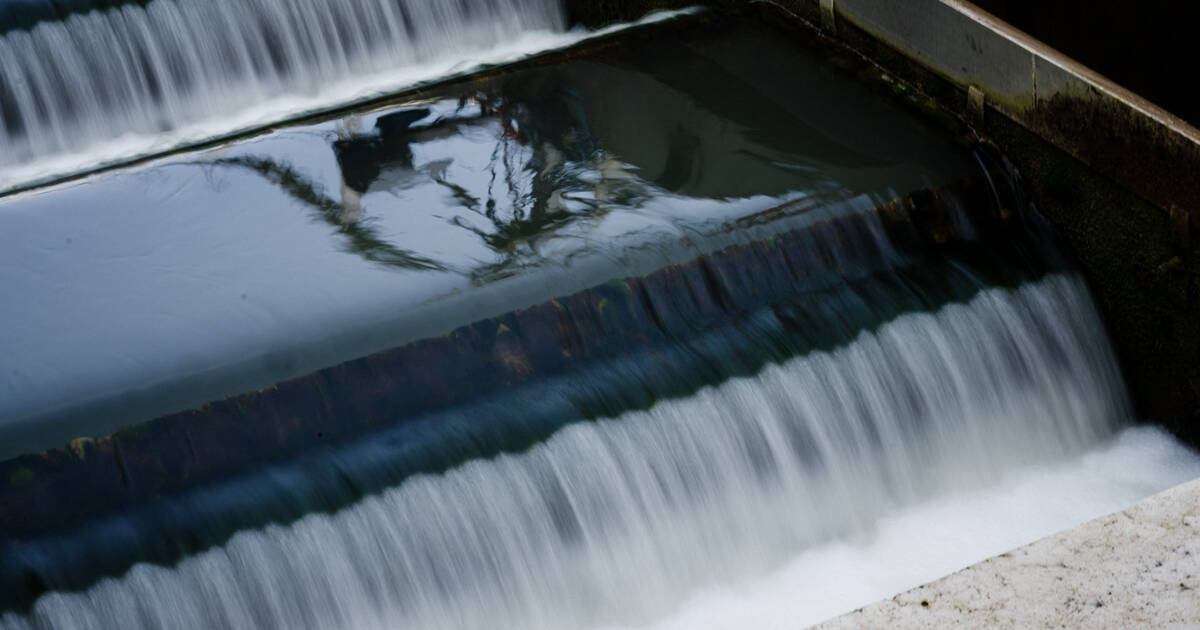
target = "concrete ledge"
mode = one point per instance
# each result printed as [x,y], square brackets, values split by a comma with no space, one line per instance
[1118,133]
[1139,568]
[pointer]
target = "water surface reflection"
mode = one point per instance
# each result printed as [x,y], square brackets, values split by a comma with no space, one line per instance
[144,291]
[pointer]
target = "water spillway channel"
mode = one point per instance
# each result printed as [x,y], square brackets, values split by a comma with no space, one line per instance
[647,336]
[123,79]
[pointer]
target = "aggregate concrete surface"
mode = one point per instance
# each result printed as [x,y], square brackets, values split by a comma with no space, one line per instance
[1139,568]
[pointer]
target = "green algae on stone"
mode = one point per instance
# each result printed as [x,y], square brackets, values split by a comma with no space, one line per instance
[20,477]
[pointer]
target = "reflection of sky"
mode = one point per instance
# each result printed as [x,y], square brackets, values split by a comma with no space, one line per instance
[234,268]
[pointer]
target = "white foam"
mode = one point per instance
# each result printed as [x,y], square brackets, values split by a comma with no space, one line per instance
[924,542]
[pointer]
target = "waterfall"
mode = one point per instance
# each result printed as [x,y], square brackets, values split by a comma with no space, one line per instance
[612,520]
[668,347]
[68,85]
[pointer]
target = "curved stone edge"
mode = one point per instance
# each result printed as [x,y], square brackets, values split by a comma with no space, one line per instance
[1138,568]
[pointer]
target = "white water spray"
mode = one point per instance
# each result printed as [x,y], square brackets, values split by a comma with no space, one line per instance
[111,77]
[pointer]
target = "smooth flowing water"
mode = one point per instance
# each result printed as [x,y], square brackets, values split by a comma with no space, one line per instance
[119,82]
[760,350]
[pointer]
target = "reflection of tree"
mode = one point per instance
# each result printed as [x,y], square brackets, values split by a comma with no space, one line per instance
[361,238]
[526,162]
[539,179]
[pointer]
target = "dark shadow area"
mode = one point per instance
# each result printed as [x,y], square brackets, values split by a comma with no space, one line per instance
[1148,47]
[25,14]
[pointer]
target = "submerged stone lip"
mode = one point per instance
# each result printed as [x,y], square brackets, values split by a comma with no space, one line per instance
[429,252]
[542,351]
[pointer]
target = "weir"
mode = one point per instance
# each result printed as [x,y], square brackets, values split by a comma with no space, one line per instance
[110,75]
[597,354]
[572,343]
[747,470]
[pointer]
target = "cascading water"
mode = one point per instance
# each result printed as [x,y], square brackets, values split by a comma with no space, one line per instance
[605,521]
[143,70]
[680,338]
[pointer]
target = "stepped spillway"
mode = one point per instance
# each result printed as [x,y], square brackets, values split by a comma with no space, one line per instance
[641,337]
[121,81]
